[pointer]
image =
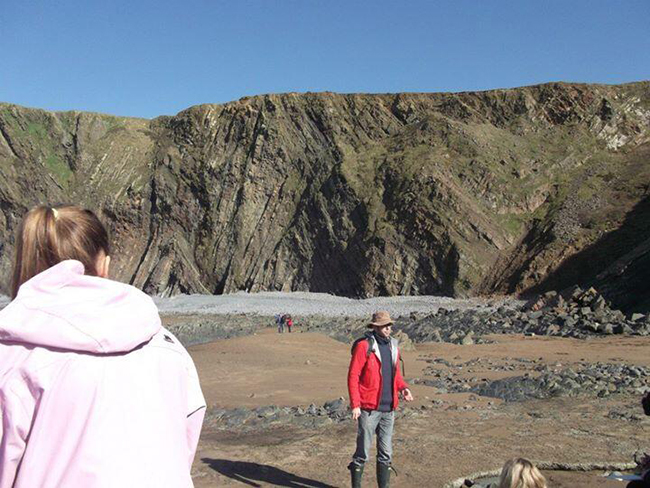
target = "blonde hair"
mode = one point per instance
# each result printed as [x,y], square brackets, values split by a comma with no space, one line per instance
[49,235]
[521,473]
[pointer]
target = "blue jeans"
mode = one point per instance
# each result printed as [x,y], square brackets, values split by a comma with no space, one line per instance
[373,422]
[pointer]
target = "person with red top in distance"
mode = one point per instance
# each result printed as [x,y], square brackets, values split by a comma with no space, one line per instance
[289,323]
[374,385]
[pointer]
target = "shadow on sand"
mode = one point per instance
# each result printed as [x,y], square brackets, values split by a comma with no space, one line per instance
[249,473]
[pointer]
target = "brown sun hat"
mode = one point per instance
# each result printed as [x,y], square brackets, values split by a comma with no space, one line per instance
[379,319]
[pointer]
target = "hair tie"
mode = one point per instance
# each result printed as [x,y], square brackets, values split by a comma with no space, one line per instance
[55,212]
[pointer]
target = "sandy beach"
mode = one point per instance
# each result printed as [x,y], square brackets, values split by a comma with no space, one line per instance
[453,434]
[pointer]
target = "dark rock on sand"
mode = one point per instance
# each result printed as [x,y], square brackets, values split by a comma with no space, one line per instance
[310,417]
[596,379]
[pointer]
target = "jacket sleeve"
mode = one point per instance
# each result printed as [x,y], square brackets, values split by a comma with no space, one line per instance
[16,422]
[194,425]
[399,380]
[357,363]
[196,407]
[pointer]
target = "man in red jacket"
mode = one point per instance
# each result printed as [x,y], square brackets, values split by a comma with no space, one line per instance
[374,385]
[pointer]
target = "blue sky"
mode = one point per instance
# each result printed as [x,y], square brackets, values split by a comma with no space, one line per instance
[149,58]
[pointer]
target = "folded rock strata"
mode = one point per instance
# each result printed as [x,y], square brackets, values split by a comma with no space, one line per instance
[501,191]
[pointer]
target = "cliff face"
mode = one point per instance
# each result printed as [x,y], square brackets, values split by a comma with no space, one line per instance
[358,195]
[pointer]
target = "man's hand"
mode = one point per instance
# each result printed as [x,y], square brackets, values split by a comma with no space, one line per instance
[408,396]
[356,413]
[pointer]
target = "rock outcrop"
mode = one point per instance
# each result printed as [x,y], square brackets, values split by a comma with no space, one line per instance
[505,191]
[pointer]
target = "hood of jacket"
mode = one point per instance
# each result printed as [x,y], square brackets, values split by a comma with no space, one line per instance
[64,309]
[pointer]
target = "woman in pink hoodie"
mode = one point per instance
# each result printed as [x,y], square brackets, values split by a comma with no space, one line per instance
[93,391]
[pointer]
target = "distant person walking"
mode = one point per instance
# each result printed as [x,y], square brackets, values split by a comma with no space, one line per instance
[93,391]
[289,322]
[374,384]
[279,321]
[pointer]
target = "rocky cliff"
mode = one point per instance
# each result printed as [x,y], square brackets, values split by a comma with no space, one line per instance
[457,194]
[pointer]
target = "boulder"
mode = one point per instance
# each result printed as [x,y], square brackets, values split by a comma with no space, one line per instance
[585,311]
[405,342]
[553,329]
[599,304]
[572,293]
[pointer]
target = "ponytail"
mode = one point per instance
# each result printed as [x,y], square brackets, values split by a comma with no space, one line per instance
[49,235]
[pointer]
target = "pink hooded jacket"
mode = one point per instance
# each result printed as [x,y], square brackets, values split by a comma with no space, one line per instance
[93,391]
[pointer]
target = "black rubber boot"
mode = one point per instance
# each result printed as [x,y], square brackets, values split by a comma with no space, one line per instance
[383,475]
[356,472]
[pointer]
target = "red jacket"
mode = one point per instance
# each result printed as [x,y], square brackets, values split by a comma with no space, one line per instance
[364,376]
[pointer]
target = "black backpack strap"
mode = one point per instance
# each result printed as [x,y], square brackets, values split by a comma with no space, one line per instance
[366,337]
[354,344]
